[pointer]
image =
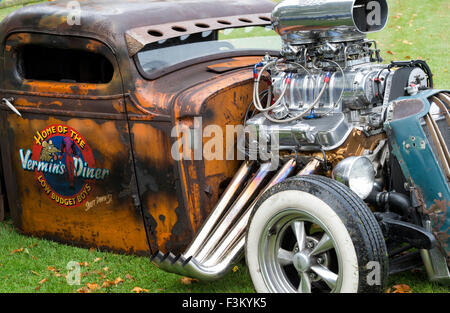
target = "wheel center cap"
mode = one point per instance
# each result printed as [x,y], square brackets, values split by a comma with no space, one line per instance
[301,262]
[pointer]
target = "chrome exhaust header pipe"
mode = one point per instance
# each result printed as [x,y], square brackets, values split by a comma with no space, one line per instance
[220,242]
[234,212]
[220,208]
[237,233]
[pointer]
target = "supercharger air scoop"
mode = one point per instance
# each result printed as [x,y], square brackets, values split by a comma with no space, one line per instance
[304,21]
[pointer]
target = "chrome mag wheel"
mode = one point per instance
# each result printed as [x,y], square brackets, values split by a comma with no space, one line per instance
[313,234]
[298,254]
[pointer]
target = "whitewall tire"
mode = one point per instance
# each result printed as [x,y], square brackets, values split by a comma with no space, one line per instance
[313,234]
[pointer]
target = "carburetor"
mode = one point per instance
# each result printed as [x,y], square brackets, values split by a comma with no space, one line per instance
[330,78]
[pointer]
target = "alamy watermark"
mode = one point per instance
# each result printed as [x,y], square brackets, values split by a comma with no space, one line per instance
[232,142]
[73,276]
[374,16]
[374,276]
[74,16]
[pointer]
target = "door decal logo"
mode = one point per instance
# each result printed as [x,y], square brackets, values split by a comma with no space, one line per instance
[63,164]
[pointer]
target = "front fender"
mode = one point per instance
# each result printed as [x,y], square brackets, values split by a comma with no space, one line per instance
[413,148]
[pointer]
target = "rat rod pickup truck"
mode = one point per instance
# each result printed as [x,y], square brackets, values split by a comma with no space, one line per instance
[335,174]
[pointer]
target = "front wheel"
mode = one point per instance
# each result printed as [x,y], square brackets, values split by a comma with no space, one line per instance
[313,234]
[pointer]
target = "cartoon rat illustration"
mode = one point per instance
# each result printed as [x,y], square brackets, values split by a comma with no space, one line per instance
[48,152]
[68,146]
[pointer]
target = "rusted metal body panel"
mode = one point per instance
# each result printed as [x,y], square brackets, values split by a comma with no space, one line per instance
[137,198]
[220,103]
[99,212]
[177,196]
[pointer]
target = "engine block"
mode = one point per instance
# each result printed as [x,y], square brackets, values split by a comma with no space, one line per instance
[329,81]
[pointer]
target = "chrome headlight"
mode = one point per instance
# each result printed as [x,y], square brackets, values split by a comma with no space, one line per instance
[357,173]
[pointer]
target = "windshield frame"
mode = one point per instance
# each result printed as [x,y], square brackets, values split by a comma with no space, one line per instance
[141,38]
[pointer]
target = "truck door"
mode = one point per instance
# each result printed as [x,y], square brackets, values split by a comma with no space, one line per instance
[67,160]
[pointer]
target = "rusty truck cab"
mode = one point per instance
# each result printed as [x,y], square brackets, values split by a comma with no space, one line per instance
[89,160]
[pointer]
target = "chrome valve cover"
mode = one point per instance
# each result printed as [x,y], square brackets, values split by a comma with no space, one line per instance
[328,132]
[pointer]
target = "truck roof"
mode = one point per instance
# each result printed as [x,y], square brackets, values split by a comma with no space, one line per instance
[108,20]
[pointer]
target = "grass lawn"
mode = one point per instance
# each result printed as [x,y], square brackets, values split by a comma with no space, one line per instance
[416,29]
[34,265]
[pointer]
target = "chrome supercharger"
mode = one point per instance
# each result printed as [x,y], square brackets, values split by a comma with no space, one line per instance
[329,79]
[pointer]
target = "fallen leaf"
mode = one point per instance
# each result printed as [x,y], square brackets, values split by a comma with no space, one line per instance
[118,280]
[128,276]
[84,290]
[401,288]
[97,259]
[93,286]
[235,269]
[91,250]
[406,42]
[106,269]
[390,52]
[84,264]
[34,258]
[108,283]
[54,270]
[42,281]
[188,280]
[408,57]
[17,250]
[35,273]
[139,290]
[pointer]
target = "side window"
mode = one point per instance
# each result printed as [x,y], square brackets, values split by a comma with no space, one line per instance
[53,64]
[44,63]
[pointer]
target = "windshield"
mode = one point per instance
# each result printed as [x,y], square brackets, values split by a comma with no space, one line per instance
[168,53]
